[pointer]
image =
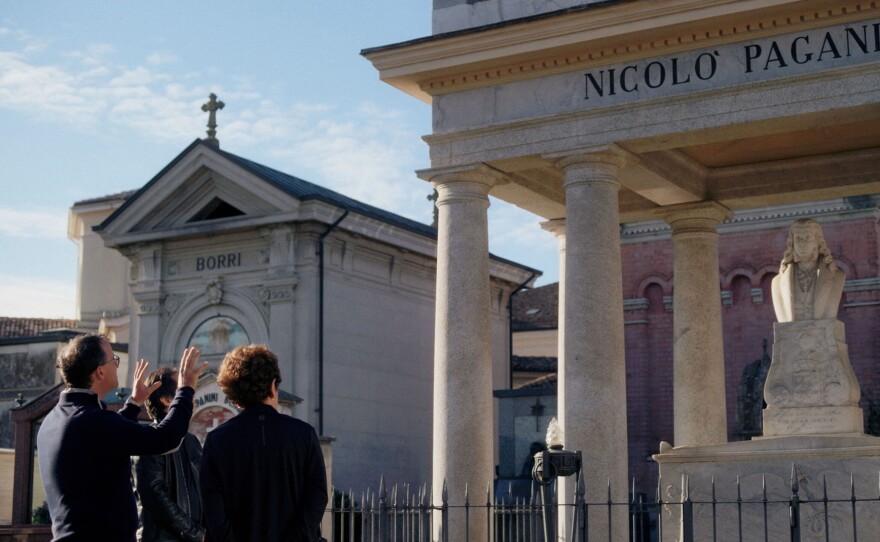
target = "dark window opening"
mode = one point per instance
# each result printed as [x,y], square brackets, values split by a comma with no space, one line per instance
[216,208]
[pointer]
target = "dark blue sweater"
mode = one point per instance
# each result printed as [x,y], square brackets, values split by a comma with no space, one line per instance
[84,453]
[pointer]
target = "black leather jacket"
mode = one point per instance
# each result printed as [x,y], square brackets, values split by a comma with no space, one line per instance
[169,504]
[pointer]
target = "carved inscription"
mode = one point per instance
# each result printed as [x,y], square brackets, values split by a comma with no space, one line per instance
[220,261]
[809,51]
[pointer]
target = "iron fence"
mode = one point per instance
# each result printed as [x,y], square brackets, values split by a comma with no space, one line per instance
[406,514]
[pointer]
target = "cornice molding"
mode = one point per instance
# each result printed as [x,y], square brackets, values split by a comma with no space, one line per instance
[583,39]
[765,218]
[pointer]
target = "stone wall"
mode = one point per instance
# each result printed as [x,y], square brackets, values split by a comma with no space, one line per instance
[28,369]
[451,15]
[748,260]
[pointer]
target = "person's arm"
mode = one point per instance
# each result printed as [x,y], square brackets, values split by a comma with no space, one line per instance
[132,438]
[315,485]
[130,410]
[139,392]
[156,497]
[136,439]
[215,517]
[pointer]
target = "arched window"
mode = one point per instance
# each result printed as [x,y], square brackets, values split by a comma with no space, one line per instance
[218,335]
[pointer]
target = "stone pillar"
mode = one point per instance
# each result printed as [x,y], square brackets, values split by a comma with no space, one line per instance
[463,423]
[304,373]
[592,374]
[700,412]
[557,228]
[278,292]
[146,289]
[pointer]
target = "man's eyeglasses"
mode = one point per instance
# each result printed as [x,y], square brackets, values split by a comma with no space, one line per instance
[116,360]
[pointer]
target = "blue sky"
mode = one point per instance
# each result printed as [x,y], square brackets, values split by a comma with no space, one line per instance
[96,97]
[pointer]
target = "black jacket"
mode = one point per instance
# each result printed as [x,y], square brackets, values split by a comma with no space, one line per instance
[169,504]
[263,479]
[85,462]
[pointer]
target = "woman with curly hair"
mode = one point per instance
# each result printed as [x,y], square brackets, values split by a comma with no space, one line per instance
[262,475]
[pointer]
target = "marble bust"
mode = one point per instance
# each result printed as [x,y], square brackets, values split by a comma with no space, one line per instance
[809,284]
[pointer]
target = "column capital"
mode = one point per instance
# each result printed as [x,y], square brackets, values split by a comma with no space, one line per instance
[590,165]
[466,184]
[604,154]
[472,173]
[555,226]
[696,217]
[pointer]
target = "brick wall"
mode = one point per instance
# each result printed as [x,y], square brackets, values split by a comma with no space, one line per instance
[748,260]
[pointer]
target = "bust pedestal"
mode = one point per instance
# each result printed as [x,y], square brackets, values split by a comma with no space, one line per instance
[811,388]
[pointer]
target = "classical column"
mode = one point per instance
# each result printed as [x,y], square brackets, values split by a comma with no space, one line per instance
[592,375]
[557,228]
[700,410]
[463,421]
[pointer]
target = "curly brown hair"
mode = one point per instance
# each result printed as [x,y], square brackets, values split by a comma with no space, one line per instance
[246,374]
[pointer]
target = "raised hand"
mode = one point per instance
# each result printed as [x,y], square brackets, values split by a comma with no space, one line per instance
[139,389]
[190,369]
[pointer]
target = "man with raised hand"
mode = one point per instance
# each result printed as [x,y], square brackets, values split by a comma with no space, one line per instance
[85,450]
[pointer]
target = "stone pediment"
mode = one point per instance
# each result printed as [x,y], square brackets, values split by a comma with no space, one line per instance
[202,189]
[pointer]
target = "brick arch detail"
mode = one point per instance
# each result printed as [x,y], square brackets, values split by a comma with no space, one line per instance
[655,278]
[742,270]
[766,269]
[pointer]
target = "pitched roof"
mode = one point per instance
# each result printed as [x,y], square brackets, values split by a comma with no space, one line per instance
[296,187]
[13,327]
[304,190]
[535,309]
[533,364]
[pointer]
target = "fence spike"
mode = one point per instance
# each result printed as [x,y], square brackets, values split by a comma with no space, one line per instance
[795,486]
[764,486]
[444,496]
[382,492]
[488,493]
[609,491]
[633,490]
[852,487]
[713,488]
[824,488]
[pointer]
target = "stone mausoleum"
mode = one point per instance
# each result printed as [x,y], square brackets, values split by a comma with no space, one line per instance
[592,114]
[218,251]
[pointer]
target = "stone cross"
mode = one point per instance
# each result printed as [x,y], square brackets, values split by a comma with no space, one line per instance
[211,108]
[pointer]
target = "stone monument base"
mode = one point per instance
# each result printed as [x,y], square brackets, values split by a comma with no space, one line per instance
[765,465]
[811,388]
[838,420]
